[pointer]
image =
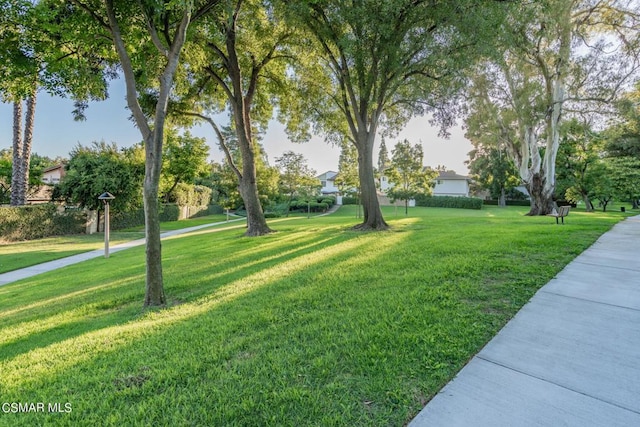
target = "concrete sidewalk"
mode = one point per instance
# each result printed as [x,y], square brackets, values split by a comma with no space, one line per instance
[23,273]
[570,357]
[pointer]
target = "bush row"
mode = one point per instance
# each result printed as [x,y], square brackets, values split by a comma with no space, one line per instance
[168,212]
[319,204]
[508,202]
[38,221]
[192,195]
[449,202]
[348,200]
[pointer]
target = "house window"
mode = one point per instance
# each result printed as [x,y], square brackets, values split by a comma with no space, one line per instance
[324,183]
[439,181]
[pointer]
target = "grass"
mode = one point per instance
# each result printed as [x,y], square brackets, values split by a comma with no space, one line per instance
[17,255]
[312,325]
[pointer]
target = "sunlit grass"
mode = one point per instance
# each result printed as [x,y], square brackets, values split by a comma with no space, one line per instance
[24,254]
[17,255]
[312,325]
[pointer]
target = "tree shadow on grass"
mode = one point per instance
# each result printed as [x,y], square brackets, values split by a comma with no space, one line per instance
[117,300]
[220,351]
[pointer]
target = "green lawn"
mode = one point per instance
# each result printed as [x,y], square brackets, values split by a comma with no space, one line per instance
[17,255]
[312,325]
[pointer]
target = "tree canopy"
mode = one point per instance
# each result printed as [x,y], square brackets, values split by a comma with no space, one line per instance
[556,59]
[372,65]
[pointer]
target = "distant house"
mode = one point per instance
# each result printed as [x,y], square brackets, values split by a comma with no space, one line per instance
[449,183]
[53,174]
[327,180]
[42,193]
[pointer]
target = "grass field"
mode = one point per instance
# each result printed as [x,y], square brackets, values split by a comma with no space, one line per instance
[17,255]
[312,325]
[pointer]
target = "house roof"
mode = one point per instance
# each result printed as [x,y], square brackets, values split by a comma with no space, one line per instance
[52,168]
[327,175]
[452,175]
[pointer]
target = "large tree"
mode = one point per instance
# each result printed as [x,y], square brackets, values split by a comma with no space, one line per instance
[99,168]
[148,37]
[557,58]
[378,63]
[19,67]
[39,51]
[239,67]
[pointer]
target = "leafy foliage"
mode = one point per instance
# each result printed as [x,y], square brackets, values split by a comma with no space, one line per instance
[36,166]
[372,65]
[36,222]
[408,176]
[102,167]
[183,161]
[579,153]
[557,59]
[493,170]
[296,177]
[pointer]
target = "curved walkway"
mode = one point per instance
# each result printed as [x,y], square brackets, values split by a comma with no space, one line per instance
[23,273]
[570,357]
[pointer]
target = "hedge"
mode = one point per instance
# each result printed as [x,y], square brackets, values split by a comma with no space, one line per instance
[304,206]
[449,202]
[135,218]
[348,200]
[509,202]
[38,221]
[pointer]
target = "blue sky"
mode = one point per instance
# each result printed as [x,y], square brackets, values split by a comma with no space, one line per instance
[56,133]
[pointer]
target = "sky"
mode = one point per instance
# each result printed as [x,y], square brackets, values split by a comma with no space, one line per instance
[56,133]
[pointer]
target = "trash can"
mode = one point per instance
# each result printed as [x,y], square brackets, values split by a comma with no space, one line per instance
[622,209]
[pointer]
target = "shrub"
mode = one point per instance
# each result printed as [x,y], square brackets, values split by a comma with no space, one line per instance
[135,218]
[348,200]
[36,222]
[508,202]
[169,212]
[126,219]
[329,200]
[191,195]
[449,202]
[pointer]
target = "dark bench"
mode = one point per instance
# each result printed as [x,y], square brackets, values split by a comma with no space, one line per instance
[561,212]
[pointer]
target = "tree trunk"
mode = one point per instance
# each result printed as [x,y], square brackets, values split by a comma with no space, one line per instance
[541,200]
[373,219]
[248,182]
[16,172]
[587,203]
[28,141]
[502,200]
[154,288]
[22,148]
[256,223]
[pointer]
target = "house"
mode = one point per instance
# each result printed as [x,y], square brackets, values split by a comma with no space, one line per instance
[449,183]
[42,193]
[327,180]
[53,174]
